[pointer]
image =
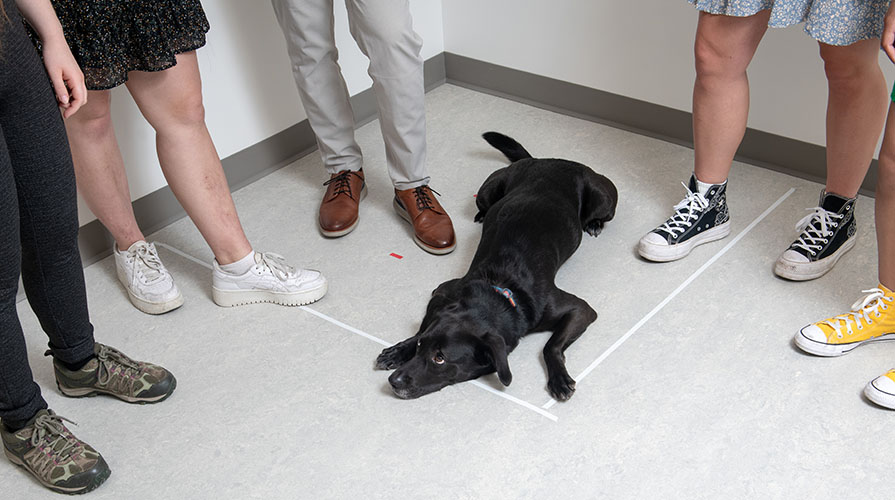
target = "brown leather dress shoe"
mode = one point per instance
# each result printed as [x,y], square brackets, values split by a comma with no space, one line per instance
[338,210]
[432,228]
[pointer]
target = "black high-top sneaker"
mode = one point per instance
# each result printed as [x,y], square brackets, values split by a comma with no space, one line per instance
[826,234]
[697,219]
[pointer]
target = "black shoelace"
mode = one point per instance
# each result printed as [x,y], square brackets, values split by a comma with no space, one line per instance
[423,200]
[342,182]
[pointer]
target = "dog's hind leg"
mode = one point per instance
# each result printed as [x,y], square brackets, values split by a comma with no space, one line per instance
[492,190]
[569,318]
[598,203]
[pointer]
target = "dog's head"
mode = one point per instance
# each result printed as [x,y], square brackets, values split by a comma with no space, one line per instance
[458,344]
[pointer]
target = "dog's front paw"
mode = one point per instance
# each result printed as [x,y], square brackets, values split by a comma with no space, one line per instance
[561,387]
[390,358]
[594,227]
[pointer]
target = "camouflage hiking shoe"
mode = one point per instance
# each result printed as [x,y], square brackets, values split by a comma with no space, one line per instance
[113,373]
[59,460]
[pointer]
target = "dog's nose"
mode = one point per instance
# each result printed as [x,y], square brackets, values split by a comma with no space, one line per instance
[399,380]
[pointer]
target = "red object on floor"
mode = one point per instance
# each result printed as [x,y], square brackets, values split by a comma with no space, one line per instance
[396,256]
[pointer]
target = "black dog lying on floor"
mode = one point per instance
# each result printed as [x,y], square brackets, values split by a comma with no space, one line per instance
[534,212]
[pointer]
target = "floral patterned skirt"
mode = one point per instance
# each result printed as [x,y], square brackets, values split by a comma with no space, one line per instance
[833,22]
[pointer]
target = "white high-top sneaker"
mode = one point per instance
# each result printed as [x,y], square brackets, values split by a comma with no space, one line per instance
[149,285]
[271,279]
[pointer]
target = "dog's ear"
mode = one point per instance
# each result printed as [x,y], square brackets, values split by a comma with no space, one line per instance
[497,349]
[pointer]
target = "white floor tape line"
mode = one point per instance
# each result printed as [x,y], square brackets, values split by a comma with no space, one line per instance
[679,289]
[380,341]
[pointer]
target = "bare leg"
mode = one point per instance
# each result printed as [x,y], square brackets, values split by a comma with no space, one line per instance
[171,101]
[885,206]
[855,113]
[99,168]
[724,48]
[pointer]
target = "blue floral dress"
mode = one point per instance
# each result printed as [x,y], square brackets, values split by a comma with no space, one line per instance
[834,22]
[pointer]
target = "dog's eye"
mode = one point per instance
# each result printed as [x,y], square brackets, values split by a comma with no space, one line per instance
[438,358]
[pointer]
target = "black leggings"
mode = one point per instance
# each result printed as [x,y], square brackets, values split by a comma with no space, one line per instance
[38,223]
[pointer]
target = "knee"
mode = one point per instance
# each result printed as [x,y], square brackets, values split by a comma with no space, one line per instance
[386,36]
[885,182]
[845,69]
[93,120]
[712,61]
[186,111]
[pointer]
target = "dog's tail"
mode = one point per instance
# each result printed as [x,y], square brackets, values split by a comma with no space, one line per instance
[507,145]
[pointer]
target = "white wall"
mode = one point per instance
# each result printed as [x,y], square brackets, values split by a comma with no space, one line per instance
[247,83]
[641,49]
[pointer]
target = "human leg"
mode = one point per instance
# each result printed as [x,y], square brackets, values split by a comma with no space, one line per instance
[384,32]
[102,182]
[37,204]
[881,390]
[308,28]
[171,101]
[855,116]
[724,47]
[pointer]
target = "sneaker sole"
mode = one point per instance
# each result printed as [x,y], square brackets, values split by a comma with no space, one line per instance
[668,253]
[89,392]
[155,308]
[98,480]
[882,398]
[804,271]
[231,298]
[420,243]
[343,232]
[833,350]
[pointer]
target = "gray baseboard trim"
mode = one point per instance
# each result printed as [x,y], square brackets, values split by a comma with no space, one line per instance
[775,152]
[160,208]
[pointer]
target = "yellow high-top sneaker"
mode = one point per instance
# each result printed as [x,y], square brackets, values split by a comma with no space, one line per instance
[871,319]
[881,390]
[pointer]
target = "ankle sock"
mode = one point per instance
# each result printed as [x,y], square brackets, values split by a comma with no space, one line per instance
[241,266]
[704,187]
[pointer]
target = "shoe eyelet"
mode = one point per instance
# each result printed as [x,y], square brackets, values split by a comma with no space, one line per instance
[674,236]
[813,252]
[839,335]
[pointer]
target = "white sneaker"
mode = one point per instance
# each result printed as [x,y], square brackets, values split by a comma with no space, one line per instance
[149,285]
[271,279]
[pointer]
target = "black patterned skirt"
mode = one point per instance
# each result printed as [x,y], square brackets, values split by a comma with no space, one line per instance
[109,38]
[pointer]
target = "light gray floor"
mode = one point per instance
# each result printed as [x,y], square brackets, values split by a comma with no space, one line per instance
[692,388]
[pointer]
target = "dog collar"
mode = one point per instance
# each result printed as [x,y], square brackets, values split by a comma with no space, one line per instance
[506,292]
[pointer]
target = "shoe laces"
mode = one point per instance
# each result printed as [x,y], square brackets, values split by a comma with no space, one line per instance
[60,445]
[423,200]
[149,263]
[277,265]
[684,212]
[113,362]
[864,310]
[342,182]
[815,228]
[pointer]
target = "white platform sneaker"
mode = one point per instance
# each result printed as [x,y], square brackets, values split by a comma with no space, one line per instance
[270,279]
[149,285]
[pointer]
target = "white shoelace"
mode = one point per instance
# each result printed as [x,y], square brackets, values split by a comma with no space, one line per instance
[862,309]
[277,265]
[685,211]
[151,267]
[815,228]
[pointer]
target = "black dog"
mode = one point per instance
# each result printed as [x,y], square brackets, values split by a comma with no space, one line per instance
[534,212]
